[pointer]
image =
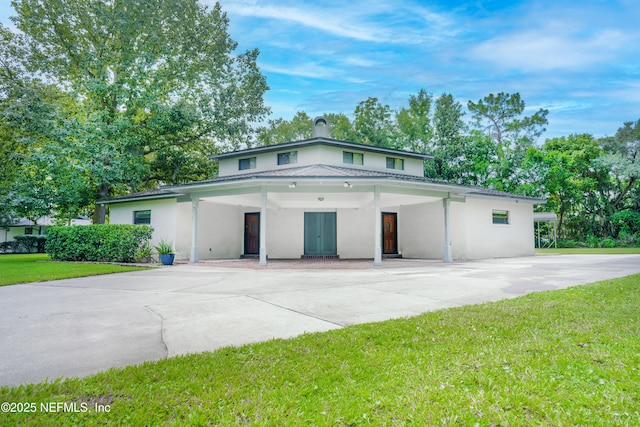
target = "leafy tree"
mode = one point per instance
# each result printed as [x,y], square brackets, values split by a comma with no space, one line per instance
[415,128]
[572,183]
[454,153]
[500,117]
[29,113]
[278,131]
[300,127]
[340,127]
[622,160]
[147,78]
[373,124]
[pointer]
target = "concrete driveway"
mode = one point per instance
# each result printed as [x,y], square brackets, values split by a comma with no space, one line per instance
[78,327]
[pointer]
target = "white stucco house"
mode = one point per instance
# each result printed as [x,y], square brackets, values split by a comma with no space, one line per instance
[26,227]
[323,197]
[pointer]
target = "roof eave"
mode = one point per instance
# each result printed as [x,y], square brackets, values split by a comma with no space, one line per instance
[138,198]
[514,197]
[312,141]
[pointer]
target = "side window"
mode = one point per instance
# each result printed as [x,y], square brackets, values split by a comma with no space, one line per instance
[28,230]
[395,163]
[352,158]
[500,217]
[248,163]
[287,158]
[142,217]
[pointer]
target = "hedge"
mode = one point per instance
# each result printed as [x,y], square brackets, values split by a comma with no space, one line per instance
[29,244]
[98,242]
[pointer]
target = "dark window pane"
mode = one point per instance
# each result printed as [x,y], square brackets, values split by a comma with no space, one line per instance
[142,217]
[249,163]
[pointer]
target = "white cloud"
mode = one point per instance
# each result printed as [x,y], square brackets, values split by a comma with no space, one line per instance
[309,70]
[537,50]
[359,61]
[324,19]
[369,21]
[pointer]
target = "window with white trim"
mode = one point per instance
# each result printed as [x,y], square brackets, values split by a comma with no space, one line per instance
[500,217]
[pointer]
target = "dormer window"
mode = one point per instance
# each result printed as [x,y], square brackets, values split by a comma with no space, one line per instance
[395,163]
[248,163]
[352,158]
[288,158]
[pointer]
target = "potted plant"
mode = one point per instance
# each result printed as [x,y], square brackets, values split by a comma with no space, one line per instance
[143,254]
[165,250]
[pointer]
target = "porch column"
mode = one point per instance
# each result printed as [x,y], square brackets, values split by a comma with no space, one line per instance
[377,232]
[195,203]
[447,231]
[263,228]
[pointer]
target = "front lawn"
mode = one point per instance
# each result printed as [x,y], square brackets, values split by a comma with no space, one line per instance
[23,268]
[567,357]
[587,251]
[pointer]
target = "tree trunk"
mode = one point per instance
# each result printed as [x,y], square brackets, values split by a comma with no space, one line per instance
[100,211]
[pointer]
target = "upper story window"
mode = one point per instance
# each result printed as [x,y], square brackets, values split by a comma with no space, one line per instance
[287,158]
[142,217]
[248,163]
[395,163]
[352,158]
[500,217]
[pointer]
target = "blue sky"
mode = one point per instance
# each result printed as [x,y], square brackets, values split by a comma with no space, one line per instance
[579,60]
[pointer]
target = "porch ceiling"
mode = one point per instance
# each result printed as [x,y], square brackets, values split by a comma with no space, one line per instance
[348,199]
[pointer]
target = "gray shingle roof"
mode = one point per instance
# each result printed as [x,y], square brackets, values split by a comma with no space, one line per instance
[319,171]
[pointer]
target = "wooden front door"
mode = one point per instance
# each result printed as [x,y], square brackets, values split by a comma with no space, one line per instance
[320,233]
[389,233]
[252,233]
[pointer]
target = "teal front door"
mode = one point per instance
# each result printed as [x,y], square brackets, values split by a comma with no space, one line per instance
[320,233]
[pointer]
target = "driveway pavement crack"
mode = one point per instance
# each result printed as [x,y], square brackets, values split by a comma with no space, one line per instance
[162,329]
[294,311]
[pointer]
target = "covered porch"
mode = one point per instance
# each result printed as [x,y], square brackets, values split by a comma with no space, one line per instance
[287,219]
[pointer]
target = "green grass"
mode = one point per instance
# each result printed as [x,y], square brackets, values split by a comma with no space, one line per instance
[567,357]
[31,268]
[612,251]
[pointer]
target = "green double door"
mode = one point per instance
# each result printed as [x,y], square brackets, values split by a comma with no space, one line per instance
[320,233]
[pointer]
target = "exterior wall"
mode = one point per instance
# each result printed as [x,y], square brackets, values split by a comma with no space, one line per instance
[163,217]
[473,234]
[355,233]
[319,154]
[421,230]
[488,240]
[220,230]
[285,232]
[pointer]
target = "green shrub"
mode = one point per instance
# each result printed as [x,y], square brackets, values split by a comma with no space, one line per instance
[608,243]
[567,243]
[98,242]
[592,241]
[626,240]
[8,247]
[29,244]
[144,254]
[626,222]
[164,247]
